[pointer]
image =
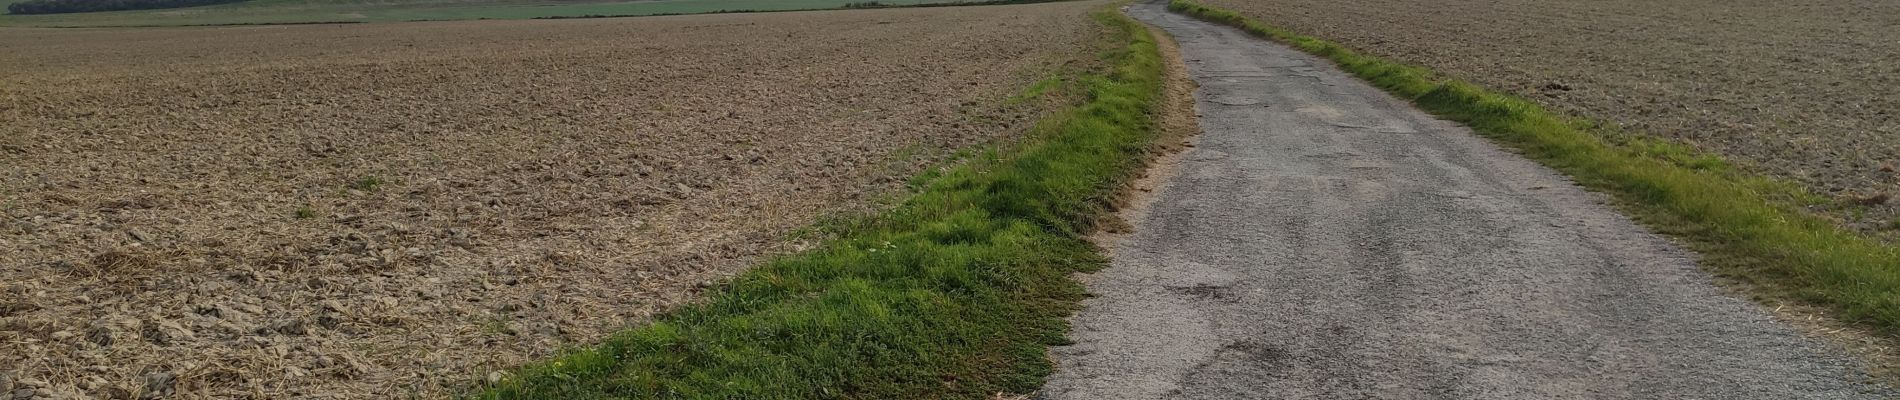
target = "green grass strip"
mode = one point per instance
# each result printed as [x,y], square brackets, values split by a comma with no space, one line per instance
[954,294]
[1747,227]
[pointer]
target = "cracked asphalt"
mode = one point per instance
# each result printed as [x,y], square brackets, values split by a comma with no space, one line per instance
[1327,241]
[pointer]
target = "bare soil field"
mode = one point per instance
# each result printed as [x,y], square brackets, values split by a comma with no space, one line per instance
[396,210]
[1797,89]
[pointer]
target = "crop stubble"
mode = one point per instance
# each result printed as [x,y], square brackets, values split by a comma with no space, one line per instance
[1802,90]
[380,210]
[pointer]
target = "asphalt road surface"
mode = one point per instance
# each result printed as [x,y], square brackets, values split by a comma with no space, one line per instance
[1327,241]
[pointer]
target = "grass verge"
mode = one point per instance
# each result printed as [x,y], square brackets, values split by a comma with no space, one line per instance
[1746,227]
[954,294]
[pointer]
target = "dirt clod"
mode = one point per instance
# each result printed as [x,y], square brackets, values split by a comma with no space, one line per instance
[158,385]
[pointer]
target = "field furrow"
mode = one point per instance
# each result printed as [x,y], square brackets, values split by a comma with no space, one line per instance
[385,210]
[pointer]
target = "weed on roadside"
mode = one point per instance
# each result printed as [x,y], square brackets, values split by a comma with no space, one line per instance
[956,293]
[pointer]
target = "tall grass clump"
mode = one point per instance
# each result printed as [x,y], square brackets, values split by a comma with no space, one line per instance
[1747,227]
[954,294]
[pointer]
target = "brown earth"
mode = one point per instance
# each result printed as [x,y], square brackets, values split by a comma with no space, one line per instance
[396,210]
[1803,89]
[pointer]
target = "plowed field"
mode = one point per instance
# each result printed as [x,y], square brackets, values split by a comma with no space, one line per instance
[1803,90]
[388,210]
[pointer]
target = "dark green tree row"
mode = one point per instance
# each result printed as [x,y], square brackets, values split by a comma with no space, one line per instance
[78,6]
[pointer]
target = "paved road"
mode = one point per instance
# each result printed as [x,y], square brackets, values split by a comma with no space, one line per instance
[1326,241]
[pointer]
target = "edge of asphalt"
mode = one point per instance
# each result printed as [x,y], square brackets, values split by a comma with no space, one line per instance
[959,292]
[1179,130]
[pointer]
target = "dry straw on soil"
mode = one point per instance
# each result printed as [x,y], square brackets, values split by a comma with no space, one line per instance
[375,211]
[1798,89]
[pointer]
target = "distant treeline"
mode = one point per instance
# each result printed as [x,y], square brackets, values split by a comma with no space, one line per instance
[79,6]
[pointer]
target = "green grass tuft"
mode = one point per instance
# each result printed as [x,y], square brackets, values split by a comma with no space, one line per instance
[305,212]
[955,294]
[368,183]
[1746,227]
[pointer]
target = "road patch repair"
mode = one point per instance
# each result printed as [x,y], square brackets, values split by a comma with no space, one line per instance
[1327,240]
